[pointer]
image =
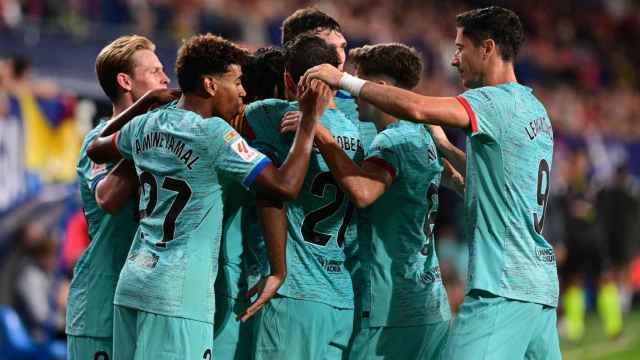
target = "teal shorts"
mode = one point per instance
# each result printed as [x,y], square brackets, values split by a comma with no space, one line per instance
[140,335]
[231,338]
[89,348]
[410,342]
[287,328]
[493,327]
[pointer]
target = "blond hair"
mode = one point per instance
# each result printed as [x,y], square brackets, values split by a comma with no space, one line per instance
[115,58]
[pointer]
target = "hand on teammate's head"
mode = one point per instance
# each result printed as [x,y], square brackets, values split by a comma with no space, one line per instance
[326,73]
[314,97]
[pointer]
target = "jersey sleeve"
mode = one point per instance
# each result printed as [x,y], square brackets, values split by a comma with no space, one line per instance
[382,153]
[262,128]
[483,113]
[123,140]
[90,172]
[233,157]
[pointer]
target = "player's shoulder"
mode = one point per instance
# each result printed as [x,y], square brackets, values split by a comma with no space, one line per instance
[85,166]
[499,94]
[401,132]
[269,108]
[486,93]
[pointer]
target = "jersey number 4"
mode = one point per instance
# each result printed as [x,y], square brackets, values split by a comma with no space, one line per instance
[319,188]
[179,202]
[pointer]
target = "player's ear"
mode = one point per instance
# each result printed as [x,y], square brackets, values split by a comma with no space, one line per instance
[488,47]
[209,85]
[124,81]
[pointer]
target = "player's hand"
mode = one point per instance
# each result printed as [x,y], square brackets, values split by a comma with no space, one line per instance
[159,97]
[267,287]
[290,122]
[326,73]
[313,99]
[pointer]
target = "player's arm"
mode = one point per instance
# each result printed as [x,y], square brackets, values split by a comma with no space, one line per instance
[456,157]
[273,222]
[403,104]
[363,184]
[151,99]
[114,189]
[451,178]
[284,183]
[102,149]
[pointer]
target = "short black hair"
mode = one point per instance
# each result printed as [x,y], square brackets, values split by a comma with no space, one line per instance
[499,24]
[307,51]
[262,75]
[399,62]
[20,65]
[306,20]
[205,55]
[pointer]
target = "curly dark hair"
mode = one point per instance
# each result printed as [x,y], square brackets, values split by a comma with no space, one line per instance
[306,20]
[399,62]
[499,24]
[205,55]
[262,76]
[307,51]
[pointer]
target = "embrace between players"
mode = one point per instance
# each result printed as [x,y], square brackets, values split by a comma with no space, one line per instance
[322,210]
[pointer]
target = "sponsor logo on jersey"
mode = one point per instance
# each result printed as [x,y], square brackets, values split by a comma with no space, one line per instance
[246,152]
[144,259]
[331,266]
[546,255]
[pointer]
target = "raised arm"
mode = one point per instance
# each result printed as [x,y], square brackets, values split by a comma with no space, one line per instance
[403,104]
[101,149]
[363,184]
[285,182]
[273,222]
[113,191]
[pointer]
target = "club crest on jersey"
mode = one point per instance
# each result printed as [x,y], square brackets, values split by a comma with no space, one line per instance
[246,152]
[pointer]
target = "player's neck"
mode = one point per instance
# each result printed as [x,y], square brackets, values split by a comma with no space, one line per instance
[382,121]
[196,104]
[121,105]
[501,72]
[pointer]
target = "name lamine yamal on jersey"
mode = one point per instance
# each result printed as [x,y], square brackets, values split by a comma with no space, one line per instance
[168,142]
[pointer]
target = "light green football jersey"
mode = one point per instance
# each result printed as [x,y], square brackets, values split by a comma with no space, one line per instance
[367,132]
[232,276]
[509,153]
[402,283]
[96,273]
[182,161]
[319,219]
[366,129]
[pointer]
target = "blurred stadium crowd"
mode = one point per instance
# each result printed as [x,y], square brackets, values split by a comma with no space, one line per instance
[579,57]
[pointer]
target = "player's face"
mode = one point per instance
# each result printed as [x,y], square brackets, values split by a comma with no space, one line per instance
[229,93]
[336,39]
[468,60]
[148,73]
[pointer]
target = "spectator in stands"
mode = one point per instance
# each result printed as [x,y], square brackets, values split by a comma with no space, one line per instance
[36,301]
[618,210]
